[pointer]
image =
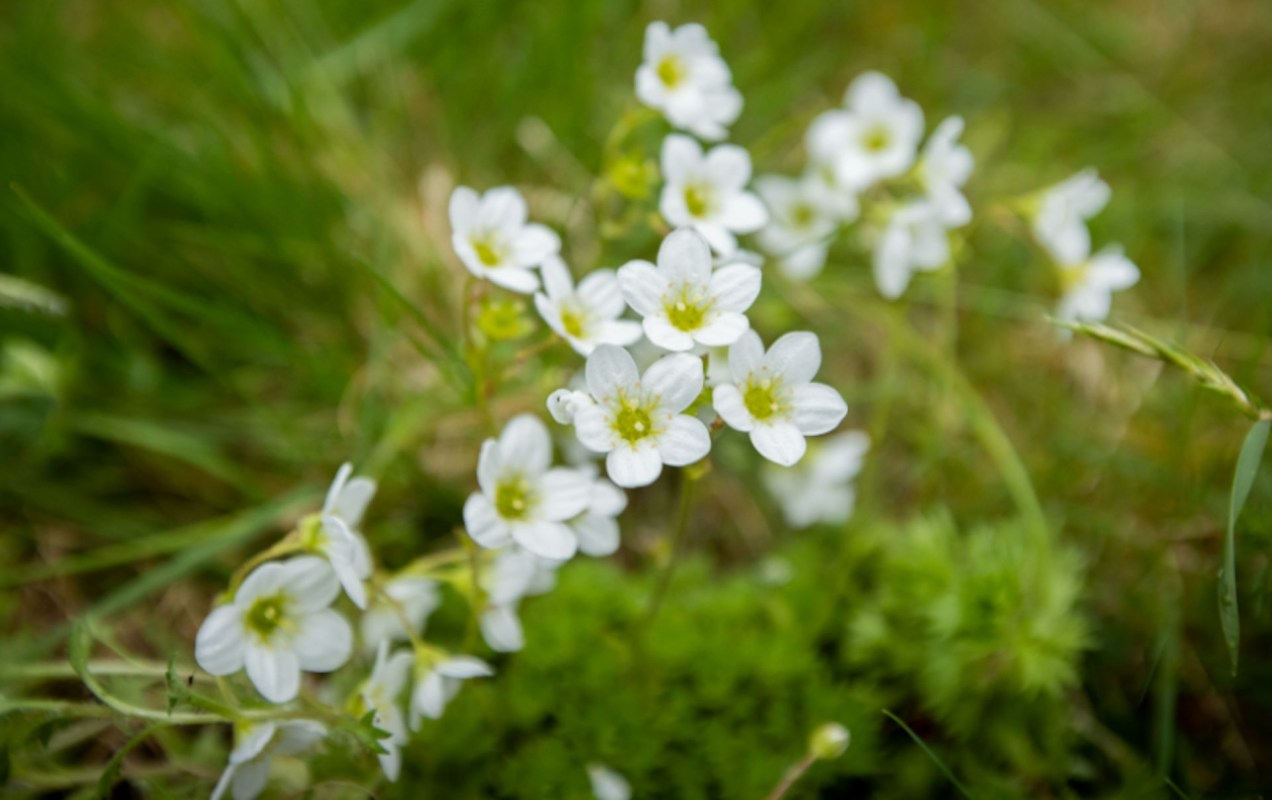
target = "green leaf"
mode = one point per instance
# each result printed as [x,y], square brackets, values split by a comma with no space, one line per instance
[1242,481]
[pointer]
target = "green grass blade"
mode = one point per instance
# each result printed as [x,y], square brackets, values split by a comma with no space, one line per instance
[1242,481]
[939,764]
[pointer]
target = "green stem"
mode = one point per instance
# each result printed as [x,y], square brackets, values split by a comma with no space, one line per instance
[792,775]
[688,479]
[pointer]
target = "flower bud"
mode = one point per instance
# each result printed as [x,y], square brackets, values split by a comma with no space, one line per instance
[829,741]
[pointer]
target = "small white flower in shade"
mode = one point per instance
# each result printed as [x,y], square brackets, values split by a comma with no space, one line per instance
[437,685]
[880,134]
[636,420]
[1089,285]
[684,77]
[380,693]
[820,488]
[1060,222]
[708,191]
[799,230]
[338,538]
[607,784]
[597,527]
[943,169]
[493,239]
[514,574]
[411,596]
[586,315]
[684,301]
[255,745]
[774,399]
[278,624]
[914,239]
[827,137]
[520,498]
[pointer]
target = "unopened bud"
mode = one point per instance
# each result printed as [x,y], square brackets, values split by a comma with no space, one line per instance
[829,741]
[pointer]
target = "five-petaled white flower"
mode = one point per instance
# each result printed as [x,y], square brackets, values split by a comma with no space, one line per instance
[608,784]
[799,230]
[255,745]
[1088,285]
[437,684]
[586,315]
[636,419]
[1060,222]
[773,397]
[521,498]
[914,239]
[685,301]
[338,539]
[820,488]
[411,596]
[878,134]
[380,693]
[708,191]
[943,169]
[278,624]
[684,77]
[491,236]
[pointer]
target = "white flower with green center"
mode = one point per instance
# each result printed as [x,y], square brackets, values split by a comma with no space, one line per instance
[914,239]
[337,537]
[437,683]
[1059,223]
[876,137]
[381,693]
[521,498]
[685,301]
[255,745]
[684,77]
[636,420]
[411,596]
[586,315]
[493,239]
[278,624]
[799,230]
[1088,285]
[707,192]
[944,167]
[820,489]
[773,397]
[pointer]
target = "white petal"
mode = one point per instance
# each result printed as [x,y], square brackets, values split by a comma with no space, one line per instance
[274,671]
[621,332]
[722,329]
[297,736]
[483,523]
[684,441]
[717,236]
[563,405]
[795,356]
[818,408]
[223,783]
[429,698]
[218,647]
[871,92]
[632,467]
[684,257]
[642,286]
[745,355]
[607,499]
[463,209]
[662,333]
[729,404]
[353,500]
[676,380]
[263,581]
[546,539]
[608,784]
[516,279]
[337,486]
[501,629]
[564,493]
[525,445]
[556,279]
[728,166]
[611,371]
[735,287]
[249,779]
[601,292]
[534,245]
[779,442]
[323,641]
[681,157]
[464,668]
[744,213]
[390,760]
[598,535]
[502,208]
[488,466]
[595,429]
[309,582]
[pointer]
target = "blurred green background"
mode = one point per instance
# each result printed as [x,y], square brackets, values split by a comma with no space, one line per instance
[238,212]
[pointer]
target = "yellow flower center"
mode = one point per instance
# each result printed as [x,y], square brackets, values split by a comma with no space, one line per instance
[1071,277]
[802,215]
[877,138]
[698,200]
[488,251]
[513,497]
[267,614]
[574,322]
[632,422]
[687,309]
[671,71]
[762,397]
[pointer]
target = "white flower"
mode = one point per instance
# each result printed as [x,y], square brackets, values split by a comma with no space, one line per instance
[826,138]
[773,397]
[587,315]
[1060,222]
[636,419]
[520,498]
[438,685]
[607,784]
[278,624]
[491,236]
[943,169]
[799,229]
[1089,285]
[564,404]
[412,596]
[339,540]
[684,77]
[515,573]
[820,489]
[877,136]
[708,192]
[684,301]
[255,745]
[380,693]
[915,239]
[597,527]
